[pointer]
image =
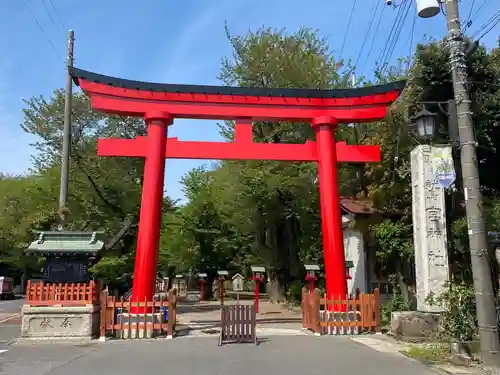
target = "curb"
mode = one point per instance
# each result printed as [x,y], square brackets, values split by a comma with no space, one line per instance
[454,370]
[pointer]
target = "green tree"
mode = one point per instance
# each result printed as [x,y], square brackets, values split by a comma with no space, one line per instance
[104,193]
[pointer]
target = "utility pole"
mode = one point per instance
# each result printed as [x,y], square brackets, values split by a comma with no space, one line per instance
[66,142]
[478,243]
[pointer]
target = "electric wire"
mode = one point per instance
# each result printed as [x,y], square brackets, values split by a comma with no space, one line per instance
[56,25]
[412,32]
[490,29]
[486,24]
[399,27]
[373,39]
[348,26]
[471,9]
[487,27]
[56,13]
[373,13]
[383,53]
[480,9]
[43,30]
[468,21]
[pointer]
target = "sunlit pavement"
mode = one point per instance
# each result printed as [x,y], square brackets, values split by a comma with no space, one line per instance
[301,355]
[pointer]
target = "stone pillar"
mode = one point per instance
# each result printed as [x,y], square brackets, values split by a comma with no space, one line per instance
[355,252]
[429,229]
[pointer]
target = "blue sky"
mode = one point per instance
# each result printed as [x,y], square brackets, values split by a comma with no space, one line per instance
[169,41]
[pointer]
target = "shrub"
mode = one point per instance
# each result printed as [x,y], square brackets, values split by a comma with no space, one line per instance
[459,311]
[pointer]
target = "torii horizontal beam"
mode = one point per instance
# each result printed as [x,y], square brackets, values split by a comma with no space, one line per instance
[243,148]
[233,151]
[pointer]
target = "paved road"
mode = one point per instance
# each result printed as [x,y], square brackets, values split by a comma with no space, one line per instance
[10,321]
[11,306]
[298,355]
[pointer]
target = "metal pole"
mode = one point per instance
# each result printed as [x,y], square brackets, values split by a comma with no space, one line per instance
[66,143]
[483,287]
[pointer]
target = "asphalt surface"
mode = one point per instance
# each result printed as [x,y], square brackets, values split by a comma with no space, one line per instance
[11,306]
[297,355]
[10,322]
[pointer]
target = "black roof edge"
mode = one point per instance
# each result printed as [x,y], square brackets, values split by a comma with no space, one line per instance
[242,91]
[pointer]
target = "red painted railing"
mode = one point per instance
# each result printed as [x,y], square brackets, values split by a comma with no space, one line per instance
[62,294]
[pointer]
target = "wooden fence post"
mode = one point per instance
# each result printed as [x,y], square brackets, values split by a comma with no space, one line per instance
[103,315]
[29,294]
[376,308]
[303,308]
[315,316]
[171,314]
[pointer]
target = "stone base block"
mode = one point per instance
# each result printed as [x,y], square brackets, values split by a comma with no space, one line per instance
[58,322]
[415,325]
[461,359]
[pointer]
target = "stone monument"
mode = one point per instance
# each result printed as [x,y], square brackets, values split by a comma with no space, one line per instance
[429,229]
[355,257]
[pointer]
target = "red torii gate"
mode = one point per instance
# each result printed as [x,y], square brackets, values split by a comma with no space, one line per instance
[159,104]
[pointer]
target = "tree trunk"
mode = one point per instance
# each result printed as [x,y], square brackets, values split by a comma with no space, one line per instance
[208,294]
[403,286]
[277,289]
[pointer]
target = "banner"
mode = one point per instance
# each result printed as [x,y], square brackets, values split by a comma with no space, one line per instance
[442,165]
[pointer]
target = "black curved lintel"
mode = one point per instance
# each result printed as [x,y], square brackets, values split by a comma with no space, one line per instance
[77,74]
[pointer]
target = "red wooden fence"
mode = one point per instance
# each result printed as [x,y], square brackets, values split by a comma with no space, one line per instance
[116,318]
[349,315]
[62,294]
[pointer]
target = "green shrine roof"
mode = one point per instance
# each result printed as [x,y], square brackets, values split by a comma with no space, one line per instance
[69,243]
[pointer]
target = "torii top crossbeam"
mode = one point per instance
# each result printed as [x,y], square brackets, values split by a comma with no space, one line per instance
[134,98]
[160,104]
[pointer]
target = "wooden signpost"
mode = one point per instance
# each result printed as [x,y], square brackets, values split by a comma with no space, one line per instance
[238,283]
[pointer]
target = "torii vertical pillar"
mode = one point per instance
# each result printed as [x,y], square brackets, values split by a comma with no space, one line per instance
[151,208]
[331,218]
